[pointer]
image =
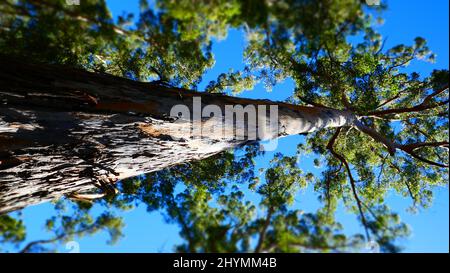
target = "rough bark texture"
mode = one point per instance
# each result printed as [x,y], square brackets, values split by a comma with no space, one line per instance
[62,130]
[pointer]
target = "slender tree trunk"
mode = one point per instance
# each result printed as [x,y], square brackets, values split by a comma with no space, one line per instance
[62,130]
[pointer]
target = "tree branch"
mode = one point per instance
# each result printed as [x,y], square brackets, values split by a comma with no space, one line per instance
[316,104]
[416,156]
[28,247]
[408,148]
[399,172]
[376,136]
[417,145]
[262,233]
[390,100]
[351,179]
[424,105]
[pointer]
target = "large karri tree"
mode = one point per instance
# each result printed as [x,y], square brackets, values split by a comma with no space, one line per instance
[86,101]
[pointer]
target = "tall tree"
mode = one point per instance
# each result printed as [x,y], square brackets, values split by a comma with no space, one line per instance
[68,122]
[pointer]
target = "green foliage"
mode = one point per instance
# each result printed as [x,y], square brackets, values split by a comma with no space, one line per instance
[217,217]
[11,230]
[237,81]
[202,18]
[306,41]
[148,48]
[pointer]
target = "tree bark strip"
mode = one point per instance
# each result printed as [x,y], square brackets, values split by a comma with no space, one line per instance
[62,130]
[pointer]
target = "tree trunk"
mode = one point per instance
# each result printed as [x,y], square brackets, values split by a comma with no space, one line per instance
[63,130]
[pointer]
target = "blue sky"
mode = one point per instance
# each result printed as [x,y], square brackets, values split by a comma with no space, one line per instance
[404,20]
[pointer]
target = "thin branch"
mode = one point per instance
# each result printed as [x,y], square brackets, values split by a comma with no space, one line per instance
[351,179]
[412,56]
[410,192]
[402,63]
[263,231]
[381,169]
[316,104]
[392,165]
[381,47]
[390,100]
[28,247]
[327,185]
[424,105]
[417,145]
[416,156]
[343,96]
[415,127]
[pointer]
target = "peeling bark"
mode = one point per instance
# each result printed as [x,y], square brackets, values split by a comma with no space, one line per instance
[62,130]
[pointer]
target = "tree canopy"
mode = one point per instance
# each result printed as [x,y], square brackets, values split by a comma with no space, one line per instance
[399,143]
